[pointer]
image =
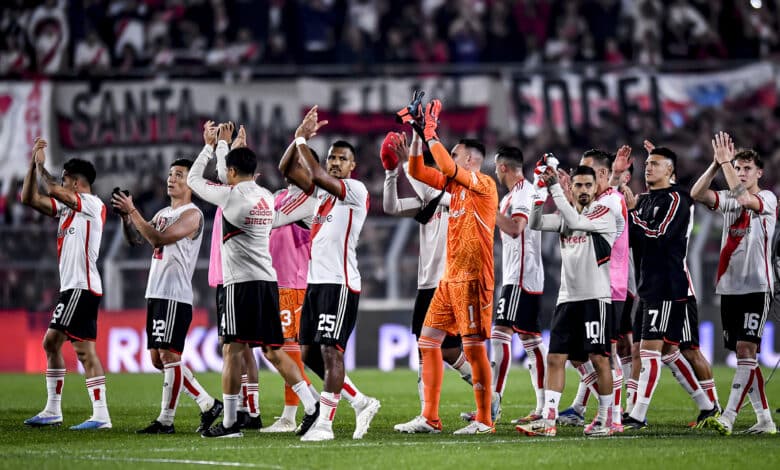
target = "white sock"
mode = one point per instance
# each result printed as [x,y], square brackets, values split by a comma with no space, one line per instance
[758,396]
[55,380]
[253,399]
[742,382]
[685,376]
[709,388]
[172,382]
[537,353]
[463,367]
[648,381]
[586,387]
[551,401]
[230,412]
[351,393]
[501,346]
[289,413]
[605,406]
[195,390]
[314,392]
[631,386]
[243,404]
[617,391]
[302,390]
[625,364]
[96,387]
[329,402]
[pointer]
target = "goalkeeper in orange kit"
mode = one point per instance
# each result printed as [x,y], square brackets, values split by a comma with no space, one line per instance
[463,300]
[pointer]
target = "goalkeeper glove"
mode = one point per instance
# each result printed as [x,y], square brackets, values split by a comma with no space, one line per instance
[432,112]
[413,112]
[388,156]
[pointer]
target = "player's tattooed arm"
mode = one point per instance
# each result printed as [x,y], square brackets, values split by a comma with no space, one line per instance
[130,232]
[30,194]
[59,192]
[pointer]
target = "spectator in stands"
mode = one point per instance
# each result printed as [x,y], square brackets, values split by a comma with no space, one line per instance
[91,54]
[48,30]
[504,44]
[466,35]
[14,59]
[318,20]
[428,48]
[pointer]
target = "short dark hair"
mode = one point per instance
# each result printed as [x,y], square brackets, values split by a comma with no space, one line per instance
[513,155]
[79,167]
[583,170]
[473,144]
[600,157]
[667,153]
[748,155]
[185,162]
[345,145]
[243,160]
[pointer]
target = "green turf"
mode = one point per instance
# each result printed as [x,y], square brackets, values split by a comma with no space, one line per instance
[134,401]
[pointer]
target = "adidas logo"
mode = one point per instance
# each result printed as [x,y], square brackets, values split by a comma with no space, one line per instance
[261,209]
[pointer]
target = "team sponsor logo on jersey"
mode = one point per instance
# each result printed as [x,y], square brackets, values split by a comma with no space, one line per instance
[575,239]
[738,232]
[321,219]
[162,222]
[457,213]
[261,214]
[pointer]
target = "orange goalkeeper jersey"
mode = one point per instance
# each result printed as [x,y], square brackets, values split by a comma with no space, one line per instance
[472,217]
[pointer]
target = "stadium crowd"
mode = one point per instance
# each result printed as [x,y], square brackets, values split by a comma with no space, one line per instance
[124,36]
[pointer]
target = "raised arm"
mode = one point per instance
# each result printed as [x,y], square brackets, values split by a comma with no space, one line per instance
[391,204]
[216,194]
[30,195]
[394,149]
[701,192]
[573,219]
[299,165]
[724,155]
[623,161]
[300,210]
[65,195]
[543,222]
[440,154]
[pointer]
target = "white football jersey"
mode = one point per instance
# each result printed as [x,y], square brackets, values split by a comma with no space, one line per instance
[78,242]
[170,276]
[745,264]
[433,235]
[247,216]
[334,235]
[522,256]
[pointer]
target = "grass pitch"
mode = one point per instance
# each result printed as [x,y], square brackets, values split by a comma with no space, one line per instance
[134,401]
